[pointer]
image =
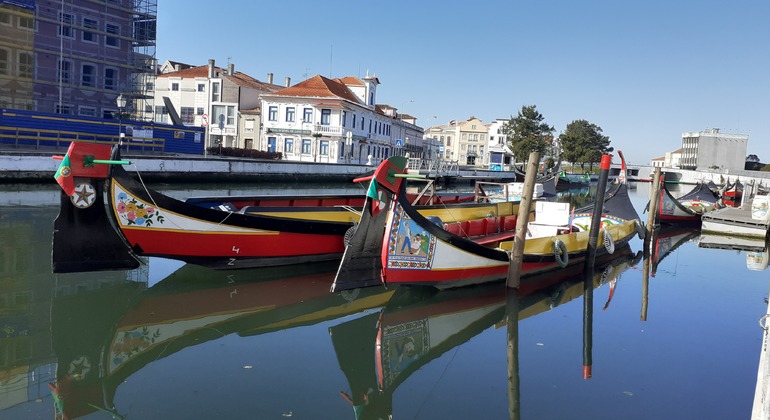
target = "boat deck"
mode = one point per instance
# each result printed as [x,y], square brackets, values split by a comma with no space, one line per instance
[734,221]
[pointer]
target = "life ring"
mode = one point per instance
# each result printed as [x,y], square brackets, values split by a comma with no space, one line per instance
[609,243]
[641,232]
[560,253]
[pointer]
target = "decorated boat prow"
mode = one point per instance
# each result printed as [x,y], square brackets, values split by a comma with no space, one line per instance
[83,236]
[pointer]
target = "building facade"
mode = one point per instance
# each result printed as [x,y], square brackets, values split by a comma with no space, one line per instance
[223,100]
[335,121]
[710,149]
[76,57]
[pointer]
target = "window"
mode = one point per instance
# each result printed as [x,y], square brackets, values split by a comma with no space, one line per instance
[201,87]
[5,18]
[230,115]
[110,78]
[64,72]
[288,145]
[362,122]
[199,111]
[326,115]
[3,61]
[63,109]
[26,65]
[215,92]
[26,22]
[87,111]
[186,114]
[149,86]
[324,148]
[307,116]
[160,113]
[272,113]
[89,28]
[305,146]
[87,75]
[290,114]
[175,87]
[354,120]
[344,118]
[111,39]
[65,25]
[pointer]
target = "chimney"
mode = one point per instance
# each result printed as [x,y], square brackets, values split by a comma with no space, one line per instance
[270,78]
[288,81]
[211,68]
[230,69]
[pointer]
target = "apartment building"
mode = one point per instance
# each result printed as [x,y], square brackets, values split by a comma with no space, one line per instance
[500,155]
[224,100]
[710,149]
[75,57]
[336,121]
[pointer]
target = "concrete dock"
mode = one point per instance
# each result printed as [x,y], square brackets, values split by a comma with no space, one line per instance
[735,221]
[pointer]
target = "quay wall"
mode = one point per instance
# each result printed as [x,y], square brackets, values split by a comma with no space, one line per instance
[40,167]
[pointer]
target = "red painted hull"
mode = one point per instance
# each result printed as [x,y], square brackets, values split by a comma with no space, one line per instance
[195,244]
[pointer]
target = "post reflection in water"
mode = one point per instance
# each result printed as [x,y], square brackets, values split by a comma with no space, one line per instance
[180,341]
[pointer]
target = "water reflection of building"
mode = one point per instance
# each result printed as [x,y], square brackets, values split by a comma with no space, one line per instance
[27,288]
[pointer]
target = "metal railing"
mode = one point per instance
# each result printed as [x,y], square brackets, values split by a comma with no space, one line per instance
[18,137]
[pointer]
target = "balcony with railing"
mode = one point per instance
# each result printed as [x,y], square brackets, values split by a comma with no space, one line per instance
[327,130]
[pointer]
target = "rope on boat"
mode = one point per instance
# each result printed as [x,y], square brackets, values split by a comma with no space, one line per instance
[350,209]
[152,199]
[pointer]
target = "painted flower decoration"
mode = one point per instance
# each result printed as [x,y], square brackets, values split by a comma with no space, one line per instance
[134,212]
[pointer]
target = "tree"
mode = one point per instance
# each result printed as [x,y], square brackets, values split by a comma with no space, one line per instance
[583,142]
[527,133]
[752,158]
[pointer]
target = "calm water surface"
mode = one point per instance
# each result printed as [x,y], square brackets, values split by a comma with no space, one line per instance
[174,341]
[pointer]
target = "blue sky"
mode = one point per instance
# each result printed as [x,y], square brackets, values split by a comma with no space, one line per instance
[645,72]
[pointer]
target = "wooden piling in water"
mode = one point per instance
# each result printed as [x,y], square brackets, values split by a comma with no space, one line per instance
[525,206]
[653,210]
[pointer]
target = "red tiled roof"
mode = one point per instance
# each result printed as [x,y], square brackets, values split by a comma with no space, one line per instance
[320,87]
[351,81]
[240,79]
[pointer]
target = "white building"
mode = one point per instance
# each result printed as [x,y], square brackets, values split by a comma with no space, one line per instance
[500,155]
[335,121]
[210,96]
[710,149]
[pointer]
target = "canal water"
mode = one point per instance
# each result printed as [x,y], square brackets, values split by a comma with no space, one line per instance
[674,338]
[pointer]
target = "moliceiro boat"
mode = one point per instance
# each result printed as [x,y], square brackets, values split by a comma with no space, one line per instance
[218,232]
[418,250]
[685,209]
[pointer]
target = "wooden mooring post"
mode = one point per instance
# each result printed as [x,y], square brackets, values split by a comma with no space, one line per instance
[525,206]
[653,210]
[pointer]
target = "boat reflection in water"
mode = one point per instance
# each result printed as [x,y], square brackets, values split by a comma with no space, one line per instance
[666,239]
[101,338]
[379,351]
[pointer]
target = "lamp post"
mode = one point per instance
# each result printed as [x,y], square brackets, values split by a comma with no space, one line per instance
[121,102]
